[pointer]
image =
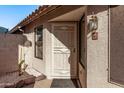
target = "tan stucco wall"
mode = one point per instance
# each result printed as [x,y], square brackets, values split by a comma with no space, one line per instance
[10,52]
[97,50]
[43,66]
[116,44]
[31,60]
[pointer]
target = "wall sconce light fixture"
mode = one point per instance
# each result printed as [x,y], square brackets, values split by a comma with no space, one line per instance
[93,23]
[93,26]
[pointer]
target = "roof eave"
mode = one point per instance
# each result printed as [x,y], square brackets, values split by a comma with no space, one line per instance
[42,10]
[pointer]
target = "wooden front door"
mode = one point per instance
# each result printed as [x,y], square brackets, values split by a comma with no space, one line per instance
[64,50]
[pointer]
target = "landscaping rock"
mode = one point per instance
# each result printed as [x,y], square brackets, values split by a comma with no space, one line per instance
[7,85]
[10,85]
[20,84]
[2,85]
[15,81]
[41,77]
[29,80]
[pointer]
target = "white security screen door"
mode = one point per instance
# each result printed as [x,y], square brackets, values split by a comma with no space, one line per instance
[64,50]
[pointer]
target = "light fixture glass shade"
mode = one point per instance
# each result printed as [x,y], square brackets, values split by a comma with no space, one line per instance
[93,23]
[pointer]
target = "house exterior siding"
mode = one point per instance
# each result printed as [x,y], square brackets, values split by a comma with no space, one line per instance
[97,50]
[43,66]
[30,59]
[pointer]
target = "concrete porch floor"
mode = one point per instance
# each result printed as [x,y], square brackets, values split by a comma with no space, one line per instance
[55,83]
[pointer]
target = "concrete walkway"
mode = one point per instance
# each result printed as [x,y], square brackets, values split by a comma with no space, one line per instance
[55,83]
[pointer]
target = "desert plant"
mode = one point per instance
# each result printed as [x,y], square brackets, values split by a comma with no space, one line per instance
[20,66]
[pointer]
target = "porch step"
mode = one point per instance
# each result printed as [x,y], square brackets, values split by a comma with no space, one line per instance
[38,75]
[33,72]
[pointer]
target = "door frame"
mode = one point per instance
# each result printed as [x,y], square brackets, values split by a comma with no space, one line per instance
[52,53]
[79,32]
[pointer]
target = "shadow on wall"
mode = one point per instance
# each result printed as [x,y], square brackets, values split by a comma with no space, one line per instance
[9,52]
[10,56]
[64,48]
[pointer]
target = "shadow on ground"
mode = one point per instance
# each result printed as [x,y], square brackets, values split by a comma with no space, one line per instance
[64,83]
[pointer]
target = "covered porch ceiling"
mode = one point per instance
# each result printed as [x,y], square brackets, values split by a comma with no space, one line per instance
[74,15]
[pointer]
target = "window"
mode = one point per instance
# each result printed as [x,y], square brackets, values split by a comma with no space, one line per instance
[39,42]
